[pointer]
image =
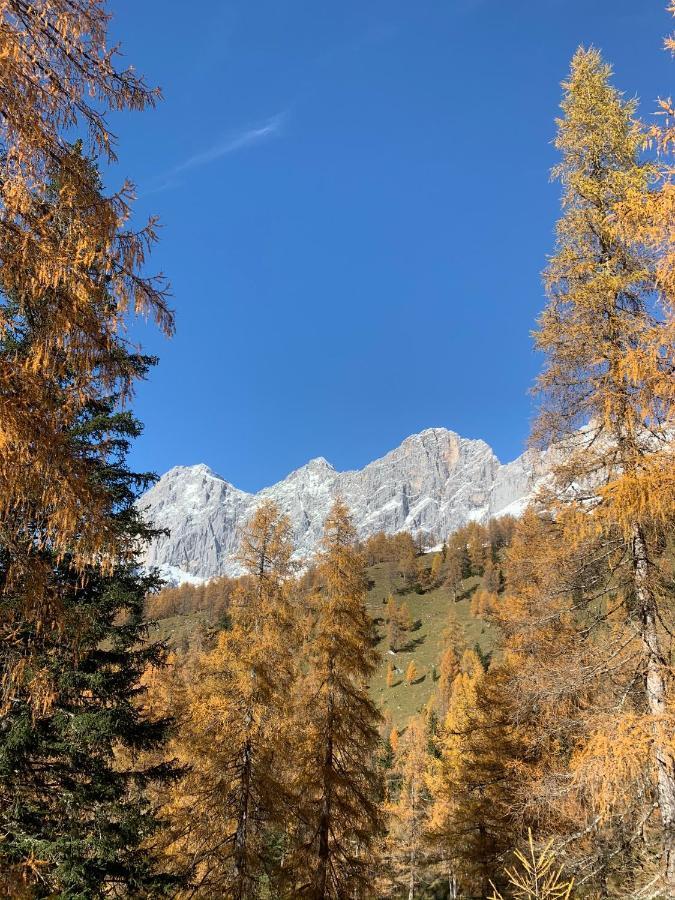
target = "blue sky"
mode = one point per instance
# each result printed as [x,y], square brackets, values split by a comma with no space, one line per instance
[356,210]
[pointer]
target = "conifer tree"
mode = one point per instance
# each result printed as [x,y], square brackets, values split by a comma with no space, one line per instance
[476,547]
[72,806]
[393,625]
[468,782]
[607,394]
[483,604]
[68,257]
[408,810]
[225,818]
[74,813]
[404,617]
[554,688]
[436,566]
[536,876]
[407,564]
[337,776]
[411,672]
[584,684]
[71,269]
[492,579]
[452,647]
[455,570]
[394,740]
[448,671]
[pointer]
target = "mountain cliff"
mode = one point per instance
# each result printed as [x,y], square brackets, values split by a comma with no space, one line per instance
[432,484]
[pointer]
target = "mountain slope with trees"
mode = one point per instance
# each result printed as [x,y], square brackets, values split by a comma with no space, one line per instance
[491,720]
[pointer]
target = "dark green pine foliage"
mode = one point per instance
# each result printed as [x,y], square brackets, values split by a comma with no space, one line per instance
[71,797]
[76,820]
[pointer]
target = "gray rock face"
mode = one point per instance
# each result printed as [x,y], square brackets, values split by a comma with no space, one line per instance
[432,484]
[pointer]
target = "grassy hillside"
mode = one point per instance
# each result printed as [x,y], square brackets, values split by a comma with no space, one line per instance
[429,613]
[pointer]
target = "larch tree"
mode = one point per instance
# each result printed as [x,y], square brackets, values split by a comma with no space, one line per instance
[67,255]
[566,678]
[492,580]
[408,811]
[68,260]
[393,625]
[436,567]
[224,818]
[452,647]
[411,672]
[70,263]
[446,829]
[455,568]
[448,671]
[536,876]
[468,823]
[338,780]
[404,617]
[394,740]
[647,218]
[606,393]
[476,547]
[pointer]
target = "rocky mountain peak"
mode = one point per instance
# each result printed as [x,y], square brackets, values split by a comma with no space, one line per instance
[317,467]
[431,484]
[320,462]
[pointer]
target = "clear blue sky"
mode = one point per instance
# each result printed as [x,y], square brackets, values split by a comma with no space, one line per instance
[356,210]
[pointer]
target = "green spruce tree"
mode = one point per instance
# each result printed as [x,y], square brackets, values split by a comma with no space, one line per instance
[75,819]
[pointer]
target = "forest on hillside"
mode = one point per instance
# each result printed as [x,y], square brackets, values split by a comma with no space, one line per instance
[492,720]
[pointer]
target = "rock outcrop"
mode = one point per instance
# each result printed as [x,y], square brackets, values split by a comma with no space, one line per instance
[432,484]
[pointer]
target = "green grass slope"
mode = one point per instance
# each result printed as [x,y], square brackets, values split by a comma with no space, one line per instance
[430,613]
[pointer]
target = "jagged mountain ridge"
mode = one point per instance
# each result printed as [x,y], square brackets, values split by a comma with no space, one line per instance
[433,483]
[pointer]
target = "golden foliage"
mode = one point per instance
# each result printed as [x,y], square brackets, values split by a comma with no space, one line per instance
[592,609]
[213,598]
[71,272]
[407,811]
[615,761]
[536,876]
[471,774]
[608,354]
[67,259]
[336,774]
[235,705]
[411,672]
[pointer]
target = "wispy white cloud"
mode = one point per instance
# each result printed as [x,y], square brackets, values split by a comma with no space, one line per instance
[272,127]
[232,142]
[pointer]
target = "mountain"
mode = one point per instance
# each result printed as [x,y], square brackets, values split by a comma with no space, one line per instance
[432,484]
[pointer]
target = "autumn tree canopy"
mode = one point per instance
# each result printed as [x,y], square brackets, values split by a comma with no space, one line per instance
[67,257]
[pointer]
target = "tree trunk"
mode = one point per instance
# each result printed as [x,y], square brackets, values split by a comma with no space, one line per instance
[656,694]
[452,886]
[241,835]
[321,878]
[413,839]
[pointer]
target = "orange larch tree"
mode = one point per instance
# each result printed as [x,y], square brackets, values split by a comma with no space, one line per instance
[593,601]
[338,782]
[234,730]
[66,255]
[407,813]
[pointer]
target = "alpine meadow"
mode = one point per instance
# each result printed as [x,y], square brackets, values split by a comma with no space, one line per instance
[430,677]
